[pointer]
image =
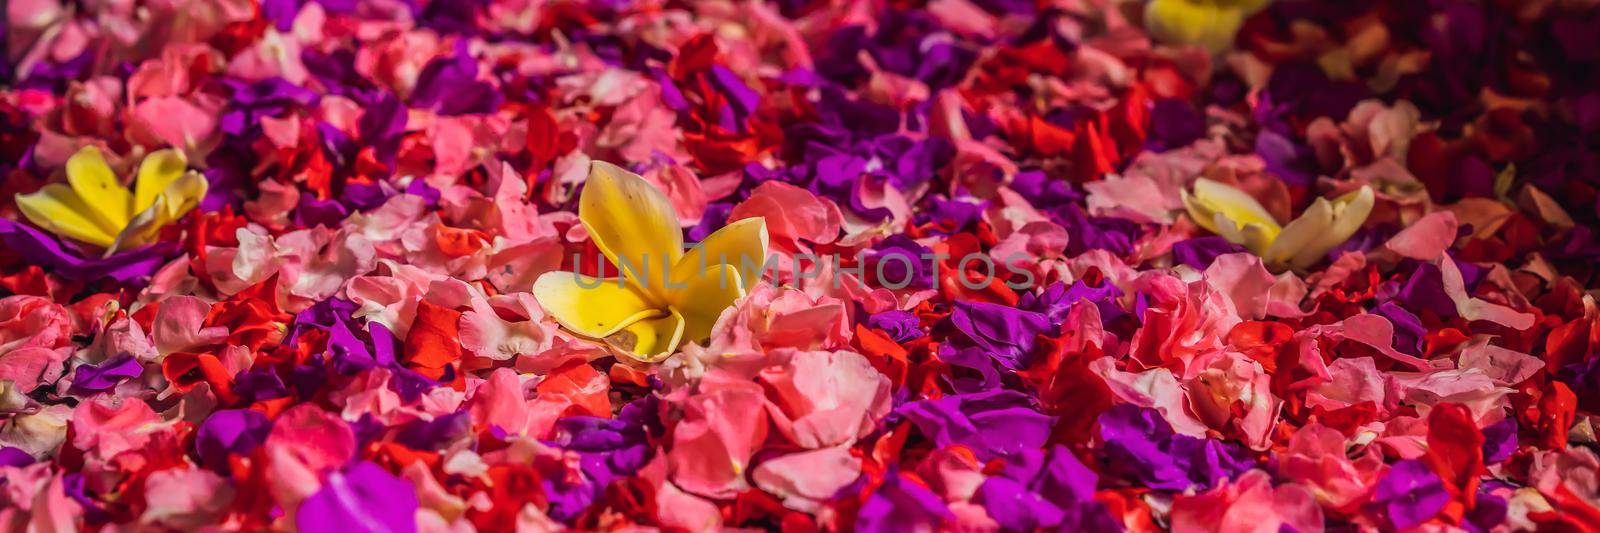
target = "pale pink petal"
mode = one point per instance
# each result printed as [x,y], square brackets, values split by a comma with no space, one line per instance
[723,425]
[1475,308]
[1156,389]
[792,213]
[826,399]
[803,480]
[185,498]
[1353,380]
[1427,238]
[1243,280]
[106,426]
[683,510]
[184,123]
[1508,367]
[1136,198]
[31,367]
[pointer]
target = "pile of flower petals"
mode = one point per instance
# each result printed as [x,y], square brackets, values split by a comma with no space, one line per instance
[1325,266]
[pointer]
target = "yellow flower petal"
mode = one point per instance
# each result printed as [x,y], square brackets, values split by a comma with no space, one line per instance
[1300,233]
[1233,202]
[58,209]
[633,224]
[651,339]
[1198,212]
[1257,237]
[1349,212]
[1253,236]
[1231,213]
[144,227]
[107,200]
[741,244]
[179,196]
[1195,22]
[1247,6]
[158,170]
[704,298]
[183,194]
[593,307]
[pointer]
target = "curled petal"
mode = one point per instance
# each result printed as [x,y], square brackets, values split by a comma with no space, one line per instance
[157,172]
[1475,308]
[1256,237]
[651,339]
[1349,212]
[179,197]
[1301,233]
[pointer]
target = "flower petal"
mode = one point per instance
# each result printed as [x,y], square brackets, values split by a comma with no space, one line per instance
[650,340]
[98,187]
[704,297]
[632,223]
[741,244]
[1256,237]
[585,308]
[158,170]
[1350,212]
[1190,22]
[1301,232]
[1238,205]
[57,209]
[1346,216]
[178,197]
[1232,214]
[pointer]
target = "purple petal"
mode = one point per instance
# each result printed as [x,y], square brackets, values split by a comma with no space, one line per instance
[363,498]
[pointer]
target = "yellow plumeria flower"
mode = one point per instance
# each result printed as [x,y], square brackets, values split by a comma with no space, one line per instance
[1239,218]
[1208,23]
[664,295]
[95,208]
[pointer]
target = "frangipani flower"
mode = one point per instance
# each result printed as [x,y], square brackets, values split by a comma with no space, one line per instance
[94,207]
[1208,23]
[1236,216]
[665,295]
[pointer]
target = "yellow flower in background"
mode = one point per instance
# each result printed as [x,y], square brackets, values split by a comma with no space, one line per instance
[1239,218]
[664,296]
[95,208]
[1210,24]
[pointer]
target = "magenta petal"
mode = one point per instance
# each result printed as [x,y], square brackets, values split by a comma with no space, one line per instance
[363,498]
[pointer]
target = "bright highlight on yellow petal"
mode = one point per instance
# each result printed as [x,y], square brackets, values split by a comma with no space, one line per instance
[632,223]
[664,296]
[1237,217]
[95,208]
[1231,213]
[178,197]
